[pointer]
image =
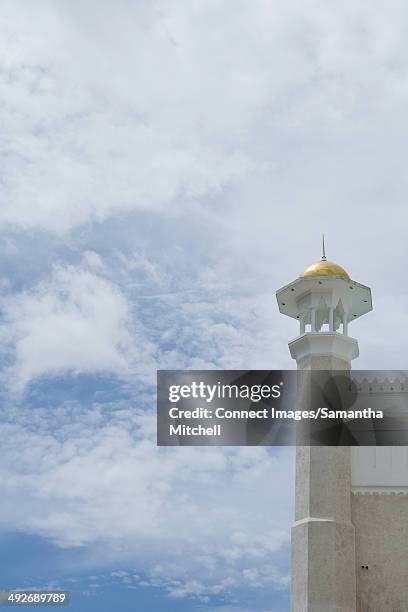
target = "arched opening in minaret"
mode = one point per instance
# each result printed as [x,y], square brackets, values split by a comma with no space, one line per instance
[325,317]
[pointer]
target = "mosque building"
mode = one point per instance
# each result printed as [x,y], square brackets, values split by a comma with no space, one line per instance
[350,535]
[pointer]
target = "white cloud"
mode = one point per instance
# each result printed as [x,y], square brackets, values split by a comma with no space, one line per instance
[74,322]
[232,332]
[233,137]
[195,521]
[107,130]
[292,121]
[93,260]
[151,106]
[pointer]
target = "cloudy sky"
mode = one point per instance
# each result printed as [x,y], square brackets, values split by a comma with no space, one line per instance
[165,167]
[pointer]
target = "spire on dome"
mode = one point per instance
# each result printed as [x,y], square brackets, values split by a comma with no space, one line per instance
[323,250]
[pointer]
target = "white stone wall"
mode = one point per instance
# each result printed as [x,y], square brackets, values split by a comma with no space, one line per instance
[379,477]
[379,467]
[381,523]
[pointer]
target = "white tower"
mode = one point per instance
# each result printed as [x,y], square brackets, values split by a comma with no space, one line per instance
[324,300]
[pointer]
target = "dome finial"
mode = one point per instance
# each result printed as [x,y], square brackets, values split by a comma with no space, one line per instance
[323,250]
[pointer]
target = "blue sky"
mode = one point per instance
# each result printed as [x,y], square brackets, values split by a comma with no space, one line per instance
[46,566]
[98,510]
[165,167]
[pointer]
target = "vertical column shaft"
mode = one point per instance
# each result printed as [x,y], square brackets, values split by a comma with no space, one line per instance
[313,319]
[331,319]
[345,324]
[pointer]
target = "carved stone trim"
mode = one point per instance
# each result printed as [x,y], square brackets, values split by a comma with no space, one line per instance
[388,491]
[394,386]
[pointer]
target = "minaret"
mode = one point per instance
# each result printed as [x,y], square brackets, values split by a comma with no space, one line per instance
[324,300]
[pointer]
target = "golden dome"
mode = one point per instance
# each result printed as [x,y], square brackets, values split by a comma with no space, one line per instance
[325,268]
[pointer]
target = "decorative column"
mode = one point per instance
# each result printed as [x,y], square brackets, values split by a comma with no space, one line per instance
[345,324]
[331,319]
[313,319]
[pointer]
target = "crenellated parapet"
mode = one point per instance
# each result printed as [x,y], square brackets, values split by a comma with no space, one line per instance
[382,385]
